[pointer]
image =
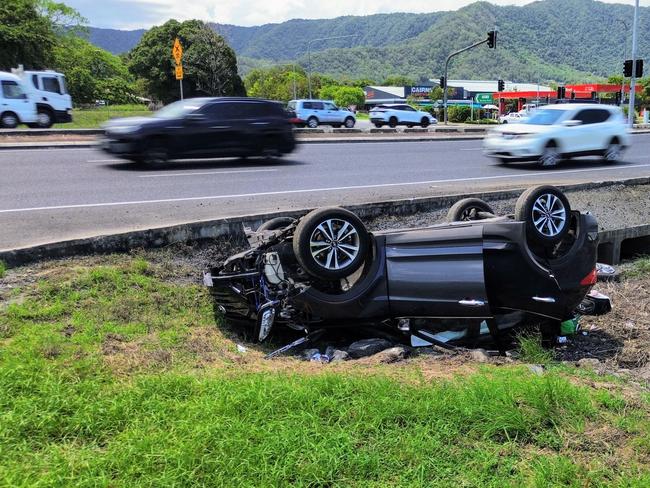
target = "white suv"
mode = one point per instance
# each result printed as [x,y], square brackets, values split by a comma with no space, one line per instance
[557,132]
[400,114]
[316,112]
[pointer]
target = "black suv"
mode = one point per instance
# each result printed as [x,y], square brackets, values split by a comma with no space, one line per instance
[202,128]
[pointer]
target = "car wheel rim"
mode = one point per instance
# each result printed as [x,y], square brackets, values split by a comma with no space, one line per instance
[334,244]
[469,214]
[550,157]
[312,124]
[613,152]
[9,121]
[349,123]
[549,215]
[43,119]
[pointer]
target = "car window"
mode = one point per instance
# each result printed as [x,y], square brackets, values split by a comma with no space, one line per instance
[593,116]
[408,108]
[35,81]
[11,90]
[177,109]
[317,105]
[51,84]
[330,106]
[544,117]
[291,105]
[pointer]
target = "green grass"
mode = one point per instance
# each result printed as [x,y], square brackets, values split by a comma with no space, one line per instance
[3,269]
[532,351]
[639,268]
[92,118]
[114,376]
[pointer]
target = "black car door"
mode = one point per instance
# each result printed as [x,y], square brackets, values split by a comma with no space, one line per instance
[210,131]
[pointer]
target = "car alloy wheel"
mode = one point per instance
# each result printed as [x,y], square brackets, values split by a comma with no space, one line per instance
[550,157]
[349,122]
[312,123]
[392,122]
[9,121]
[613,153]
[44,119]
[549,215]
[334,244]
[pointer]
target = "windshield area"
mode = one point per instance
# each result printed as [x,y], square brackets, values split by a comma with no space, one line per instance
[176,109]
[544,117]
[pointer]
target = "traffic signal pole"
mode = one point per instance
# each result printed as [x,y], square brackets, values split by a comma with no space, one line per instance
[476,44]
[630,112]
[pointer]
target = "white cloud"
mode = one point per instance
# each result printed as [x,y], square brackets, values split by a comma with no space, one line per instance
[144,13]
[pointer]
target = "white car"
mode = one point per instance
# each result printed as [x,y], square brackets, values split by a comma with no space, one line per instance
[400,114]
[513,118]
[557,132]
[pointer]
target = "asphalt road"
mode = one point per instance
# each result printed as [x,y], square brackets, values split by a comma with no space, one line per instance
[59,194]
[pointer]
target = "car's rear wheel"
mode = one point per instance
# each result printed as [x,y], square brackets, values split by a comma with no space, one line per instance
[613,152]
[392,122]
[546,211]
[9,120]
[276,223]
[469,209]
[312,122]
[424,122]
[550,157]
[330,243]
[379,125]
[349,123]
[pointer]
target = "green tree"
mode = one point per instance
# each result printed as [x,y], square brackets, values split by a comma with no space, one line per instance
[343,96]
[398,80]
[210,65]
[26,37]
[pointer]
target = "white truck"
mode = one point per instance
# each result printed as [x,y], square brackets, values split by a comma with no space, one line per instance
[49,93]
[17,106]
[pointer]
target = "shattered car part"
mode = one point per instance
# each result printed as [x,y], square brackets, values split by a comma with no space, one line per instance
[445,284]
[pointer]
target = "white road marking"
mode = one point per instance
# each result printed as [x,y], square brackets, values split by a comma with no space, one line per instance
[163,175]
[3,151]
[315,190]
[105,161]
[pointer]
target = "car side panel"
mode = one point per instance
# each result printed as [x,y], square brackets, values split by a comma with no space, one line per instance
[437,273]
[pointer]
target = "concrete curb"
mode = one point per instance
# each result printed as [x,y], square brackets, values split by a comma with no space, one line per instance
[233,227]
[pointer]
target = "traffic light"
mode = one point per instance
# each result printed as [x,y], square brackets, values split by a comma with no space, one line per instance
[443,82]
[639,68]
[627,68]
[501,85]
[561,92]
[492,39]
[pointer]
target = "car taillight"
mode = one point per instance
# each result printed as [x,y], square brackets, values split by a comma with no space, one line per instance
[590,279]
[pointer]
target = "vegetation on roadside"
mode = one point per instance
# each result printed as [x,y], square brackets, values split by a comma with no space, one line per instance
[116,374]
[638,268]
[92,118]
[531,349]
[3,269]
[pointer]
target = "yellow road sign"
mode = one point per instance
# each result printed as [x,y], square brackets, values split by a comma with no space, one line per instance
[179,72]
[177,51]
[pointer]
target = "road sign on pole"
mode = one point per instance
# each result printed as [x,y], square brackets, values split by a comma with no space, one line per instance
[484,98]
[179,72]
[177,51]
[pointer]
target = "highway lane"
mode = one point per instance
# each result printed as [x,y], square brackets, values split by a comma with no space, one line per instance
[50,195]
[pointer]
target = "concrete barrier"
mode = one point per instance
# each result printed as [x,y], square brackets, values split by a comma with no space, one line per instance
[347,131]
[383,131]
[613,242]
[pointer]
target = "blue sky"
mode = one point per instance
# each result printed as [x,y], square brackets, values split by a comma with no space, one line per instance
[133,14]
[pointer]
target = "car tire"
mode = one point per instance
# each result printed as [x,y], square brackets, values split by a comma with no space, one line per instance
[392,122]
[424,122]
[312,122]
[322,251]
[612,154]
[45,118]
[550,157]
[349,123]
[503,161]
[546,212]
[469,209]
[276,223]
[156,153]
[9,120]
[504,122]
[378,125]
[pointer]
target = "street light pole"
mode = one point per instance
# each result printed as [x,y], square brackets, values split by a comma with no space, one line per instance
[624,58]
[309,54]
[630,113]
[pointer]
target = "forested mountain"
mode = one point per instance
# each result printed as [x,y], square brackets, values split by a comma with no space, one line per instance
[564,40]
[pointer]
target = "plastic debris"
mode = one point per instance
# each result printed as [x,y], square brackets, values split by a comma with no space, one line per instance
[241,349]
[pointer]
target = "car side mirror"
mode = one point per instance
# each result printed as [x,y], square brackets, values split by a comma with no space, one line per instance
[571,123]
[195,118]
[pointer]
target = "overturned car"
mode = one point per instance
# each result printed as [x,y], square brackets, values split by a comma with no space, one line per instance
[474,277]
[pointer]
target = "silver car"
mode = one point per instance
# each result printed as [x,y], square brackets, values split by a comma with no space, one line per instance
[400,114]
[313,113]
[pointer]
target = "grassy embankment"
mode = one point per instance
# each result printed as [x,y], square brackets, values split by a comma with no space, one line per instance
[92,118]
[116,375]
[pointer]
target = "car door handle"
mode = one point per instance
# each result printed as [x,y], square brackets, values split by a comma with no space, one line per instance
[471,303]
[544,299]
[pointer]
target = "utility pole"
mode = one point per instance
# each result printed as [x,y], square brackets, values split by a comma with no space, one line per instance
[491,42]
[630,113]
[624,58]
[309,54]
